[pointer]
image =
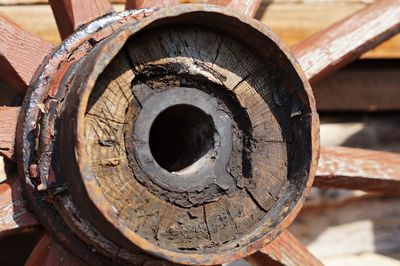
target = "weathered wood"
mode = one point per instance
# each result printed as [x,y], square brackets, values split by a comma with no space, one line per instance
[212,72]
[14,214]
[293,21]
[246,7]
[373,131]
[366,85]
[135,4]
[284,250]
[49,253]
[334,197]
[296,21]
[48,87]
[8,124]
[328,50]
[71,14]
[105,123]
[243,6]
[351,168]
[21,53]
[345,233]
[37,19]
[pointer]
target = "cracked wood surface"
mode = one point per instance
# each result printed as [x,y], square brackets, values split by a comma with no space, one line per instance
[71,14]
[8,124]
[338,167]
[230,70]
[14,214]
[343,42]
[105,123]
[21,53]
[351,168]
[284,250]
[247,7]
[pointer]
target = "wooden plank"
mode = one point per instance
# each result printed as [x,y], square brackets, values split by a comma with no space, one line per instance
[14,215]
[366,85]
[8,124]
[374,131]
[351,168]
[71,14]
[365,259]
[21,53]
[38,19]
[350,230]
[293,20]
[284,250]
[48,253]
[332,48]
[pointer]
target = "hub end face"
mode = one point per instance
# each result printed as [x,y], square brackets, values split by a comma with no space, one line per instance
[247,183]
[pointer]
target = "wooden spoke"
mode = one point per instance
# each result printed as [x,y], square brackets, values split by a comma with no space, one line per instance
[47,253]
[243,6]
[20,54]
[284,250]
[14,215]
[346,40]
[351,168]
[70,14]
[8,123]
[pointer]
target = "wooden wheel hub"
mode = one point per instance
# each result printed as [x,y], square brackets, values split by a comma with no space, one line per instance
[180,145]
[195,141]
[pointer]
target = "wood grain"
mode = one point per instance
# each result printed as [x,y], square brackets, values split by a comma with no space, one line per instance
[346,40]
[21,53]
[8,124]
[344,234]
[284,250]
[14,214]
[351,168]
[135,4]
[71,14]
[49,253]
[184,48]
[245,7]
[293,21]
[233,70]
[373,131]
[365,85]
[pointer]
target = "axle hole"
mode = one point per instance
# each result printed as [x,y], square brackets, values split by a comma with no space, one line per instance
[180,136]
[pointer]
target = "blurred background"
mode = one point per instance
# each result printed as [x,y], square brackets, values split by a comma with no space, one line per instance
[359,106]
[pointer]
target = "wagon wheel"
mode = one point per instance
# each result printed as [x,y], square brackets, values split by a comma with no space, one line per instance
[175,135]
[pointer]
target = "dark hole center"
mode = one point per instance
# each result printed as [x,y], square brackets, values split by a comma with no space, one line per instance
[180,136]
